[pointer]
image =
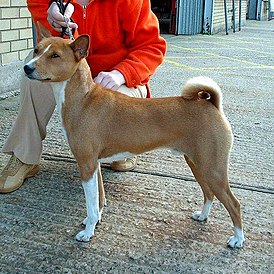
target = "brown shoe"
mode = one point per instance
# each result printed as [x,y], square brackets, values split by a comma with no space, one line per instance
[124,165]
[14,174]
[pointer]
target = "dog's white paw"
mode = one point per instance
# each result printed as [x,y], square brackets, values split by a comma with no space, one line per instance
[88,232]
[199,216]
[84,236]
[235,242]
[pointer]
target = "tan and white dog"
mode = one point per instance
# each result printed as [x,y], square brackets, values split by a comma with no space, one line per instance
[103,125]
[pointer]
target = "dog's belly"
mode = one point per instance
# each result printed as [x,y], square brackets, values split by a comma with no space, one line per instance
[116,157]
[125,155]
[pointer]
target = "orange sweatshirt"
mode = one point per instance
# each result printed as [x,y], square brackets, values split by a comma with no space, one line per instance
[124,36]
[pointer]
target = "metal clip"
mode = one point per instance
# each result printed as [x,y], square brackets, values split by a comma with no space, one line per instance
[69,28]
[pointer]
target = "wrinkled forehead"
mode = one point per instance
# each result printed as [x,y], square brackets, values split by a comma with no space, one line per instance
[53,44]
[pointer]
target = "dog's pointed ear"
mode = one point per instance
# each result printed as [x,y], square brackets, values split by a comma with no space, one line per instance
[43,31]
[81,46]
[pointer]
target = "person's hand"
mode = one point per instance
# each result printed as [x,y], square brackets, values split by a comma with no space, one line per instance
[56,19]
[111,80]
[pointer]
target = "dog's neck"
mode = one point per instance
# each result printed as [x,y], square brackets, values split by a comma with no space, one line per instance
[79,84]
[81,81]
[71,92]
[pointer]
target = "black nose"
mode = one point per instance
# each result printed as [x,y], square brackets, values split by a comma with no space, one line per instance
[28,70]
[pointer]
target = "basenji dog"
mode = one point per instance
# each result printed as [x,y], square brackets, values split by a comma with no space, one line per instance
[102,125]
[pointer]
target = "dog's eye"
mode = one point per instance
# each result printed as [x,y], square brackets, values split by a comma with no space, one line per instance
[55,55]
[35,51]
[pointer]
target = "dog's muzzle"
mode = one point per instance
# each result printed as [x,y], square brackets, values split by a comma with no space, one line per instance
[31,73]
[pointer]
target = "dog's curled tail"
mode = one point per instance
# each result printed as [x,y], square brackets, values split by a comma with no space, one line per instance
[203,88]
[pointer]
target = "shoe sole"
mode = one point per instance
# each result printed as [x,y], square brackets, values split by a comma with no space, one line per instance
[113,167]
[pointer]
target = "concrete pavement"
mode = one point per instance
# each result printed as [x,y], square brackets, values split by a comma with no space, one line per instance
[146,225]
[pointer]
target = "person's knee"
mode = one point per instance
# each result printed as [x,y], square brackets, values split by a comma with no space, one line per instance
[36,90]
[138,92]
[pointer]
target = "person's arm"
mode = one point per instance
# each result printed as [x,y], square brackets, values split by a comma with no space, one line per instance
[146,47]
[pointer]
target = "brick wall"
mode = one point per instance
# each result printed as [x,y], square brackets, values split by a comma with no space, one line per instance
[15,31]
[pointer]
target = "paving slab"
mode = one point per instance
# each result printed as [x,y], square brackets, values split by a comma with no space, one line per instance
[146,226]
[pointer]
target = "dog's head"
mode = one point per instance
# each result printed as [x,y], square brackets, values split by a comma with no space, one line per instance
[56,59]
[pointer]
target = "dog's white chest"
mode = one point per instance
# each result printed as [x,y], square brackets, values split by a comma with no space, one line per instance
[59,94]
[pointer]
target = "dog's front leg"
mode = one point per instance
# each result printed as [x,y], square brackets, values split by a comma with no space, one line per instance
[92,205]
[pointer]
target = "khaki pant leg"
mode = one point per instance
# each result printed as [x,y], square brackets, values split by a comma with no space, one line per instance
[138,92]
[37,104]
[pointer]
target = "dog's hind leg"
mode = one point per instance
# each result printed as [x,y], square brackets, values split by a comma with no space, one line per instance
[208,194]
[213,178]
[227,198]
